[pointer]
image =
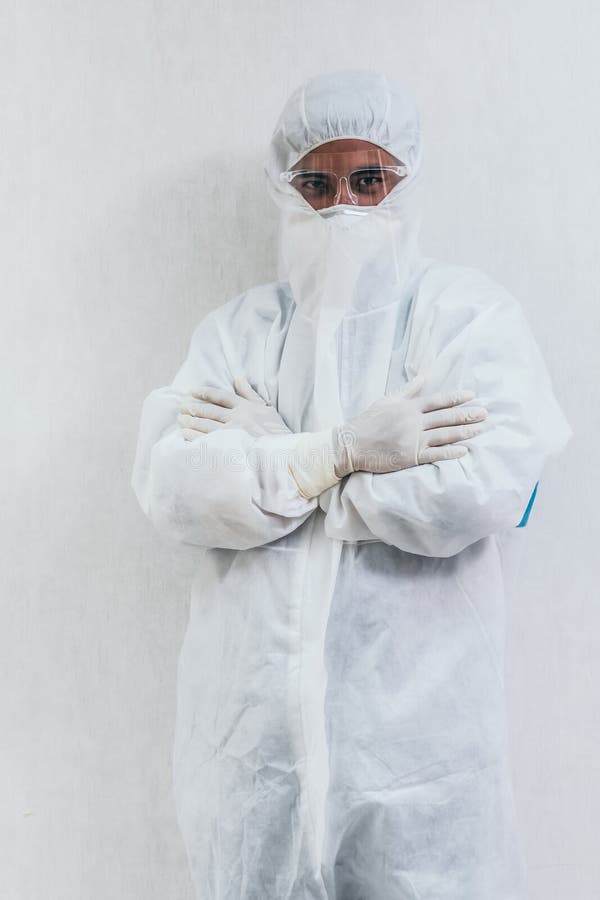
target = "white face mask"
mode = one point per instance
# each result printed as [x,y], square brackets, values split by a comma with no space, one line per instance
[344,209]
[349,259]
[342,261]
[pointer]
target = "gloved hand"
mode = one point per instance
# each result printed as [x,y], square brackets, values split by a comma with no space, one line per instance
[402,430]
[210,408]
[396,432]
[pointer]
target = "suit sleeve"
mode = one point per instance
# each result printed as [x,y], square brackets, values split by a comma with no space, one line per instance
[224,489]
[438,509]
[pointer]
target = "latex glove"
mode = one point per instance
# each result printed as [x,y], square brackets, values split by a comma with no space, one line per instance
[402,430]
[210,408]
[396,432]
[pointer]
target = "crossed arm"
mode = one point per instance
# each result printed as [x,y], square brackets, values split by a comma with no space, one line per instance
[230,486]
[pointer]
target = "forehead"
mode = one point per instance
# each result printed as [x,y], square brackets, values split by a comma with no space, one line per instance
[348,152]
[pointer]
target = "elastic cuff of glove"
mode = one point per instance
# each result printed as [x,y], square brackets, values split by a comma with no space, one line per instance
[312,463]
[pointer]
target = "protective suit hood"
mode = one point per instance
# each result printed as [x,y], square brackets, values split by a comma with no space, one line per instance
[346,104]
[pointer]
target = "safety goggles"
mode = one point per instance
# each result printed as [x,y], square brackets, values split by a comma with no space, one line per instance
[326,183]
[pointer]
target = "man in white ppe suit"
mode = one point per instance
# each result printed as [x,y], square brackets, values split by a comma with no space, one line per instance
[356,446]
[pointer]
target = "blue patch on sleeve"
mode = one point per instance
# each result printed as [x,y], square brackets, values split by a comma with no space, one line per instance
[523,521]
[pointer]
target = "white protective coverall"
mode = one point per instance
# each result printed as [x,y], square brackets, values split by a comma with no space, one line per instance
[340,728]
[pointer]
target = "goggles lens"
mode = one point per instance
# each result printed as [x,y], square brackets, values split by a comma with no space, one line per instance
[366,187]
[326,180]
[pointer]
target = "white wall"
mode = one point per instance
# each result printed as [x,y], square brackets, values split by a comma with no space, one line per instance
[132,202]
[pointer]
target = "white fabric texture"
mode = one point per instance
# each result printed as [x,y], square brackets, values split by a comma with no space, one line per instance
[341,729]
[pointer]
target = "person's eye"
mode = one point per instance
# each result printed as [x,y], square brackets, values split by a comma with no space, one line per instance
[367,182]
[315,184]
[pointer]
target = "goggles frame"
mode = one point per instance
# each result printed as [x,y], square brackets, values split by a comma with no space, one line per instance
[288,176]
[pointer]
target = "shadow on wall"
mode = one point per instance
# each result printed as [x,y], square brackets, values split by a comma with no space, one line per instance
[141,267]
[150,260]
[190,240]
